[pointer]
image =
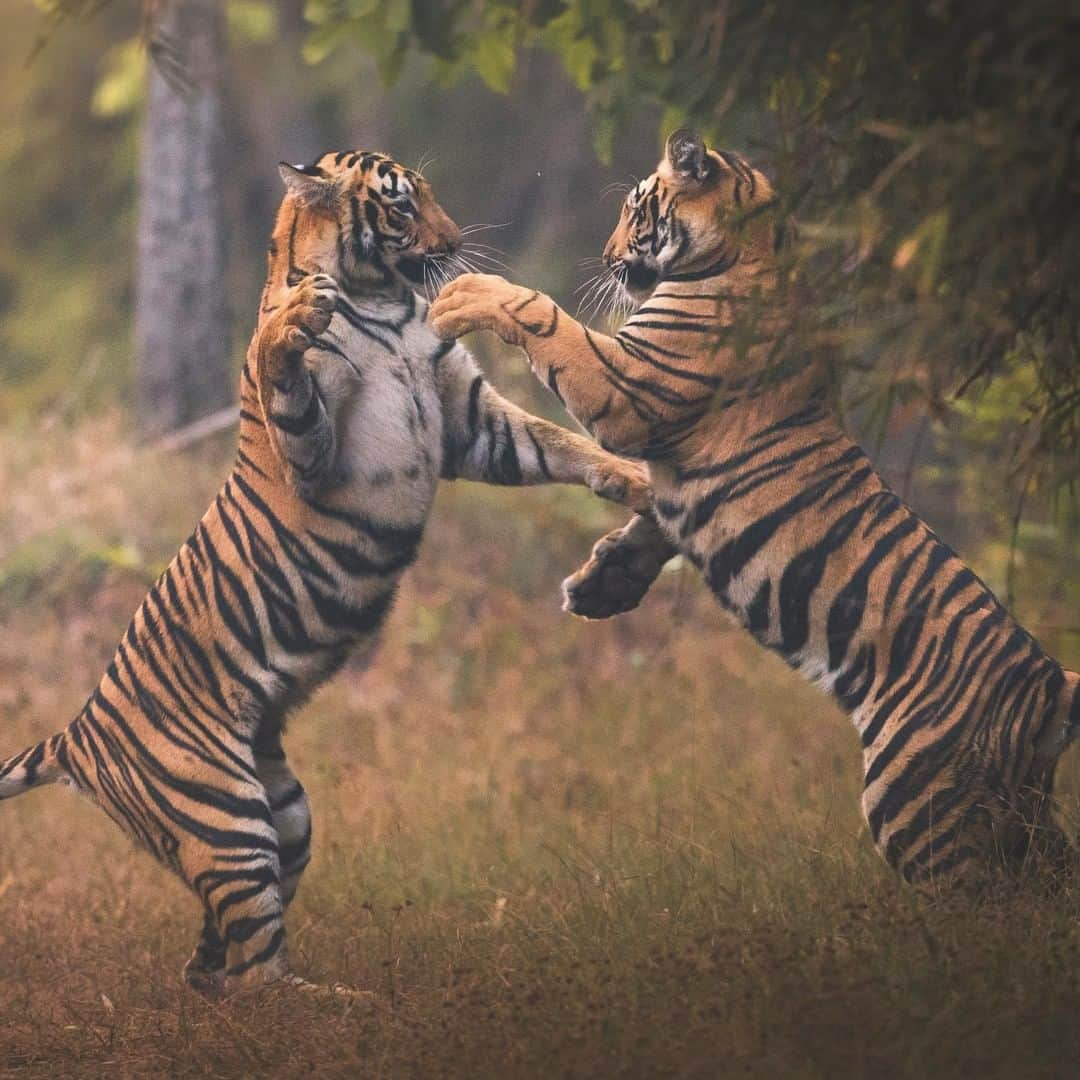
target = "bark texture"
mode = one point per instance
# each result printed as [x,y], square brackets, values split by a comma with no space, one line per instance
[181,312]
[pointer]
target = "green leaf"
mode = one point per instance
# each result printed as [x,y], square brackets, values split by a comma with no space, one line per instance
[493,58]
[121,88]
[253,21]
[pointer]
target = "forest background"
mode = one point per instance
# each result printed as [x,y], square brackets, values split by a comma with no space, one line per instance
[646,823]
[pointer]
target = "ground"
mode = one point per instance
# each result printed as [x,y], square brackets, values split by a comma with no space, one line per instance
[549,848]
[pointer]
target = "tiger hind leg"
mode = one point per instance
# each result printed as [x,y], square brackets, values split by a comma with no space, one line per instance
[620,571]
[206,970]
[291,814]
[232,863]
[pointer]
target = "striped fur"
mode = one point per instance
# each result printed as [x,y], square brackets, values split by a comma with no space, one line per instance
[962,715]
[351,411]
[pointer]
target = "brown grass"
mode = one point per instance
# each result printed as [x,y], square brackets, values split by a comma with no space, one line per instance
[549,847]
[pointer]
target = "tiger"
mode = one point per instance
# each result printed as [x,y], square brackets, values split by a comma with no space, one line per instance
[351,410]
[961,714]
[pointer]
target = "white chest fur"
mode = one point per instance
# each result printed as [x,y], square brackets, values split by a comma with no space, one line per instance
[379,384]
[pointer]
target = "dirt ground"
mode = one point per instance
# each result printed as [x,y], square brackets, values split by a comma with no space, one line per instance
[547,848]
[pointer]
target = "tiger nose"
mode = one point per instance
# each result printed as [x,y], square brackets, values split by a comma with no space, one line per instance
[449,241]
[445,246]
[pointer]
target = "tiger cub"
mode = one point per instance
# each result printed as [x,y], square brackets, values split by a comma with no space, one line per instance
[962,715]
[351,409]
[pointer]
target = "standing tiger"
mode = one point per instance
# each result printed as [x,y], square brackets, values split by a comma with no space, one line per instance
[351,409]
[961,713]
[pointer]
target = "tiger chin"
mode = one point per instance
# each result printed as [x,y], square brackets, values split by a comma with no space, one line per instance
[961,714]
[351,411]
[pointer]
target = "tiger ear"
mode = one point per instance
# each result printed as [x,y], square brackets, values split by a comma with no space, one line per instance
[308,185]
[686,154]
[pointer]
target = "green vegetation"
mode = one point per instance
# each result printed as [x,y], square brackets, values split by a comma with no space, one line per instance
[553,848]
[929,147]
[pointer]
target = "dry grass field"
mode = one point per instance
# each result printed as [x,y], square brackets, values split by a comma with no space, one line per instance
[549,848]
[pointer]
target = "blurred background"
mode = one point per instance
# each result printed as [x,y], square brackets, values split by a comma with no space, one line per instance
[930,156]
[650,812]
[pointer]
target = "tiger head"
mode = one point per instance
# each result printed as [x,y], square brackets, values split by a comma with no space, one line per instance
[699,210]
[362,218]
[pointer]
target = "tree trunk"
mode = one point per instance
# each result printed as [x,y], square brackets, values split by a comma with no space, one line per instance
[181,314]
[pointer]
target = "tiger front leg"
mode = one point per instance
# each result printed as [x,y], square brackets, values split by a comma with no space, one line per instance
[490,439]
[296,414]
[555,455]
[620,571]
[608,390]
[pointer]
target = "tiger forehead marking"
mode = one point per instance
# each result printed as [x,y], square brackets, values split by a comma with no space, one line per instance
[360,215]
[392,176]
[372,174]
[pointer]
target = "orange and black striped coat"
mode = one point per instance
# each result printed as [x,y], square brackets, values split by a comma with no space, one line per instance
[962,715]
[351,410]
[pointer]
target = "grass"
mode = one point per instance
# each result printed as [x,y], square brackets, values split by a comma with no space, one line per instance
[550,848]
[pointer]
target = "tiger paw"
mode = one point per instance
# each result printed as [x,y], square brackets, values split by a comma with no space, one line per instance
[619,573]
[308,311]
[203,979]
[620,481]
[295,327]
[480,302]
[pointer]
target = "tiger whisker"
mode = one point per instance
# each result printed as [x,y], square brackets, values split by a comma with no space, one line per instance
[616,185]
[489,260]
[468,230]
[492,264]
[611,284]
[434,270]
[483,250]
[589,283]
[439,270]
[457,267]
[601,296]
[489,248]
[622,304]
[589,290]
[463,264]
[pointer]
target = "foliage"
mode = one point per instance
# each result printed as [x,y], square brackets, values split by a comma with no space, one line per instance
[929,148]
[67,163]
[917,144]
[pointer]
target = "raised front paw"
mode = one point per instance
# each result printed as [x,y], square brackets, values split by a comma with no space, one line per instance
[307,312]
[619,573]
[480,302]
[295,327]
[621,481]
